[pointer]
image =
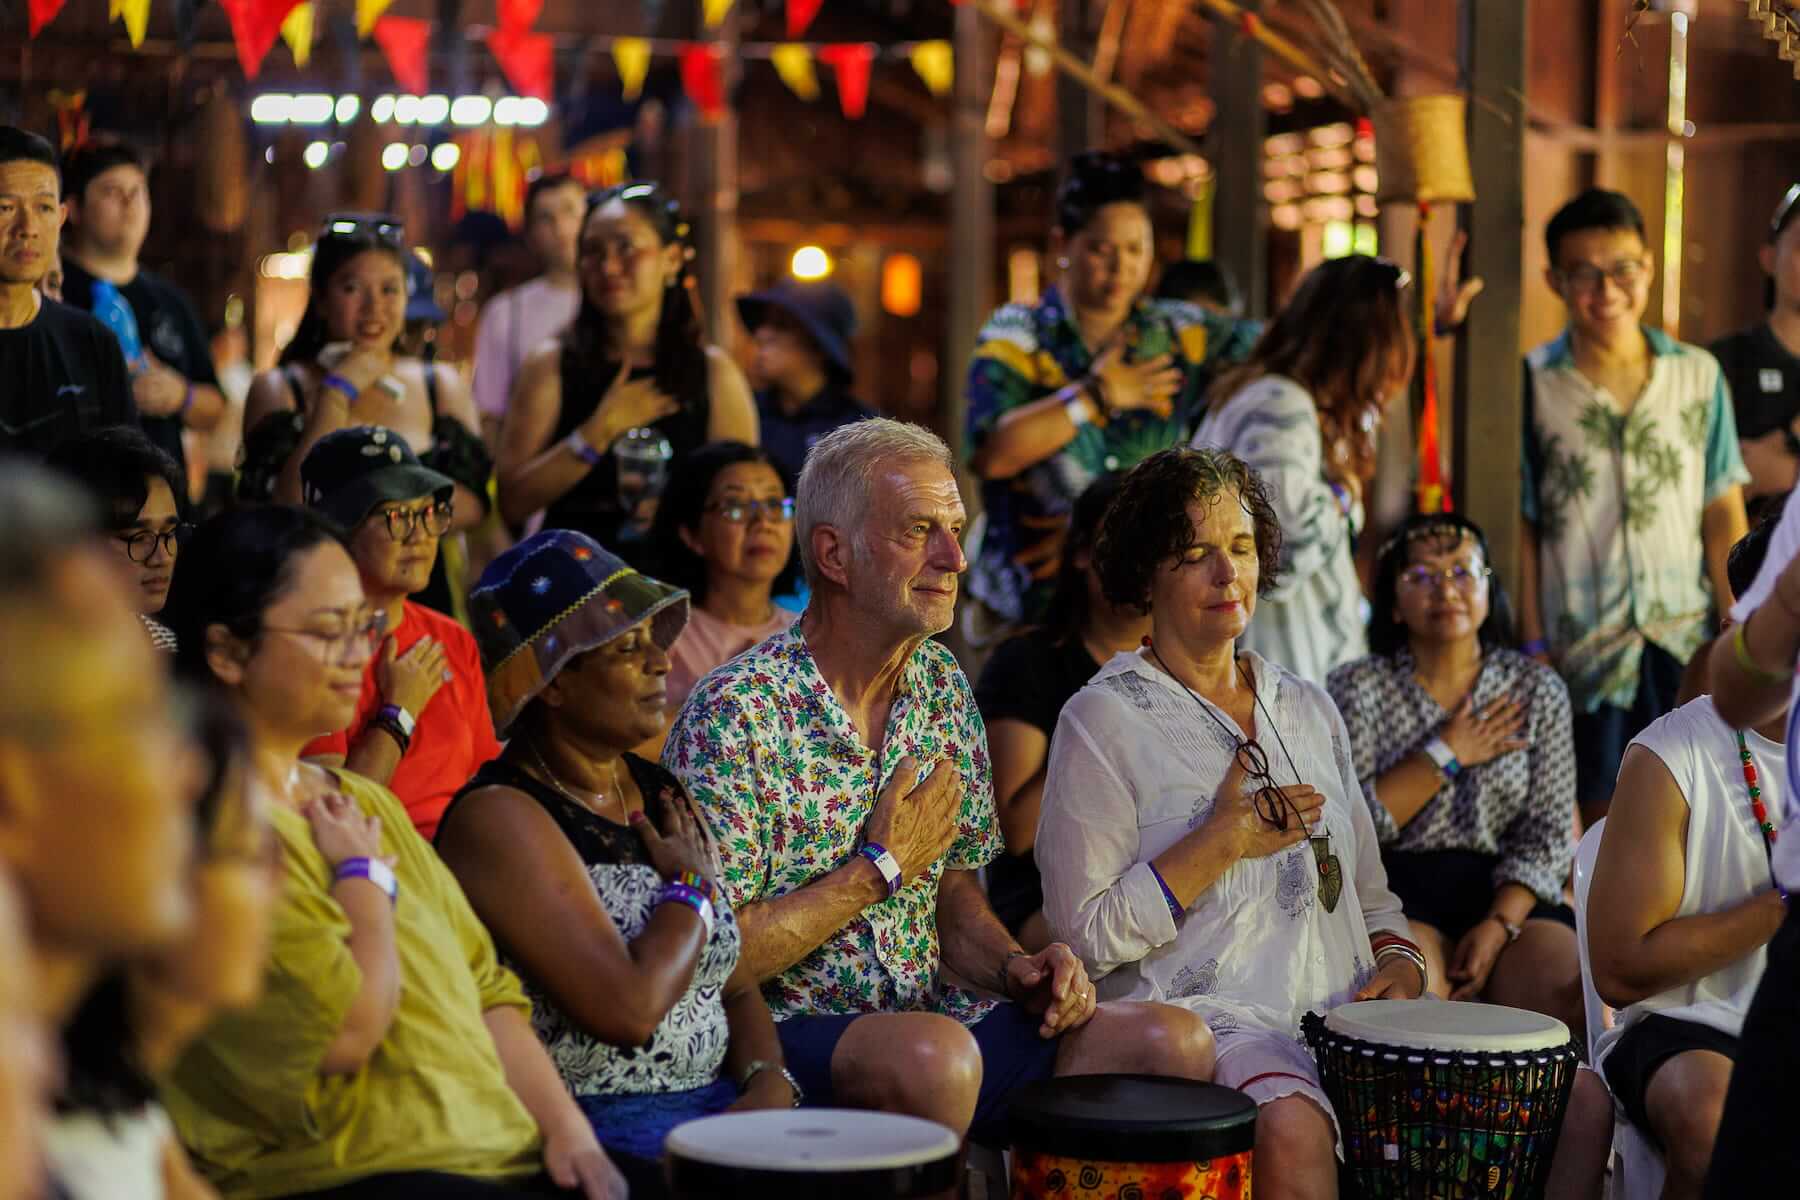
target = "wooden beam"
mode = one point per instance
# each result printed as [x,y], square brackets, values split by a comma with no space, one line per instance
[1488,403]
[1080,113]
[1235,145]
[716,189]
[971,229]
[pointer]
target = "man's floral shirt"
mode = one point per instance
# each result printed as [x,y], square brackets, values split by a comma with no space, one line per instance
[774,763]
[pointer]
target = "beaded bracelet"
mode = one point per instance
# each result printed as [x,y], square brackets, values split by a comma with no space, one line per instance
[680,893]
[1740,649]
[697,881]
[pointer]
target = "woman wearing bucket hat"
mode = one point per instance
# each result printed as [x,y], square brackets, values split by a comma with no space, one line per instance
[422,723]
[802,333]
[588,862]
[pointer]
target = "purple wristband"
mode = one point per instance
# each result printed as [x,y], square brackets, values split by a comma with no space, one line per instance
[1535,647]
[187,401]
[1175,910]
[334,380]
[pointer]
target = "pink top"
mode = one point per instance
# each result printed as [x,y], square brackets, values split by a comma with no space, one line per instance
[708,642]
[513,324]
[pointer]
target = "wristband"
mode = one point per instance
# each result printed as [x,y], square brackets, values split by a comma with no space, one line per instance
[1740,650]
[679,893]
[886,863]
[697,881]
[338,382]
[1076,408]
[1535,647]
[580,447]
[392,728]
[371,869]
[1175,910]
[187,401]
[1444,758]
[400,717]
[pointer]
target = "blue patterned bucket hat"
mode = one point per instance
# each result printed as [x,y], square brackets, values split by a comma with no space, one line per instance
[555,595]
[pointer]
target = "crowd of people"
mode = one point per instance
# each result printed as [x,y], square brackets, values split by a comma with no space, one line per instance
[330,869]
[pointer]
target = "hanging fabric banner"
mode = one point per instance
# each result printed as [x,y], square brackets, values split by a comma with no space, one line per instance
[632,57]
[1433,490]
[405,43]
[367,13]
[800,14]
[518,14]
[713,11]
[137,18]
[936,64]
[528,60]
[794,63]
[297,32]
[850,62]
[42,13]
[72,121]
[254,27]
[702,79]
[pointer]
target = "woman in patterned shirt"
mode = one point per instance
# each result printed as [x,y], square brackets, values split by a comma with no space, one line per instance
[1464,751]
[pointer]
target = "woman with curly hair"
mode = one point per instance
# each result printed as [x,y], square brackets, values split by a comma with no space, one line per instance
[1303,413]
[1204,840]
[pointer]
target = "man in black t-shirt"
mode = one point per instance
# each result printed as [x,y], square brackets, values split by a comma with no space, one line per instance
[61,372]
[174,385]
[1762,365]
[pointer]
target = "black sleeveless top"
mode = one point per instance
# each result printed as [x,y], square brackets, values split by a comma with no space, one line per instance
[598,840]
[592,506]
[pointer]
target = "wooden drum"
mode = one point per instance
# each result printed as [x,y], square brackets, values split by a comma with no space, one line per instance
[1130,1137]
[812,1154]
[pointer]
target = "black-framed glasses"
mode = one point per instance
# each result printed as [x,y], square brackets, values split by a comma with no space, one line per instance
[1462,578]
[435,518]
[1626,274]
[141,545]
[359,638]
[742,512]
[1270,802]
[381,225]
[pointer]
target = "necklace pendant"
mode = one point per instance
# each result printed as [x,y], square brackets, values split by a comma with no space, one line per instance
[1331,872]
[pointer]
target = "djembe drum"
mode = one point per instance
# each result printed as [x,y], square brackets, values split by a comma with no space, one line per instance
[1097,1137]
[1444,1100]
[812,1154]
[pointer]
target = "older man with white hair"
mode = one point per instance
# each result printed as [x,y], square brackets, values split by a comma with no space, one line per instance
[843,765]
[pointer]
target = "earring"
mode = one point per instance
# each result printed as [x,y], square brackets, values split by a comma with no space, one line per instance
[1062,264]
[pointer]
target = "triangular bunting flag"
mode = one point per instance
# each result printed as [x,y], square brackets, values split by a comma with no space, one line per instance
[702,79]
[794,63]
[42,13]
[367,13]
[850,61]
[254,26]
[800,14]
[297,32]
[519,14]
[405,43]
[528,60]
[632,56]
[137,18]
[713,11]
[936,64]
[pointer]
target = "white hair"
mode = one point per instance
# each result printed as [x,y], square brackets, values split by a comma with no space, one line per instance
[840,471]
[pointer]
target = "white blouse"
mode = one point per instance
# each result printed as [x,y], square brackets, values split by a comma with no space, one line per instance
[1134,766]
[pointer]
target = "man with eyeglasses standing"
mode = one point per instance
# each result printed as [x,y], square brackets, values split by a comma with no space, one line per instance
[1762,364]
[422,725]
[1632,490]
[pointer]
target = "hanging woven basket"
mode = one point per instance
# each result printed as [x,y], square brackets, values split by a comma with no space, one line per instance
[1422,151]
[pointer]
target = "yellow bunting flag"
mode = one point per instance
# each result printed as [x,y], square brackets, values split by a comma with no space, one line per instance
[297,32]
[137,18]
[367,13]
[632,56]
[794,63]
[713,11]
[936,64]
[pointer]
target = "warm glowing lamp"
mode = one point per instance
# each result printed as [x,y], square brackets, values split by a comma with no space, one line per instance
[900,285]
[810,262]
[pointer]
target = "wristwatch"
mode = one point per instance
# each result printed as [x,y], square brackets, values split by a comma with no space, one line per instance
[759,1066]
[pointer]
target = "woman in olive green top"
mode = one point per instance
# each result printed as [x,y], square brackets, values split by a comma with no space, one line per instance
[391,1055]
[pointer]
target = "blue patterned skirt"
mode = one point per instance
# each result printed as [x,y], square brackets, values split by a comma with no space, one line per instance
[637,1124]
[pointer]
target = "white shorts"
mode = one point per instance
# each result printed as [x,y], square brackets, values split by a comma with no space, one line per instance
[1266,1066]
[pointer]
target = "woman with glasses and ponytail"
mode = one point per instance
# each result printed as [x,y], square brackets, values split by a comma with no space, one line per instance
[1467,765]
[598,412]
[1203,839]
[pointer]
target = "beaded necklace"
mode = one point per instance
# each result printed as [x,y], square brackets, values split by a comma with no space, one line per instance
[1757,810]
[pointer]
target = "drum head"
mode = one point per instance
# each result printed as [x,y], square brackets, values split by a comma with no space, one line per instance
[1442,1025]
[812,1152]
[1131,1118]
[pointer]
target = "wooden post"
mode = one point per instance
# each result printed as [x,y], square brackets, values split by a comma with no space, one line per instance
[1489,395]
[971,226]
[1080,114]
[1235,145]
[716,189]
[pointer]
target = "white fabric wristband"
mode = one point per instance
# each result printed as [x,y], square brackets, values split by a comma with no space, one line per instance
[885,862]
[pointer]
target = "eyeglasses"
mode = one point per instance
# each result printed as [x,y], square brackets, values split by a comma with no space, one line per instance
[140,547]
[1463,579]
[359,639]
[351,224]
[434,517]
[742,512]
[1626,274]
[1270,802]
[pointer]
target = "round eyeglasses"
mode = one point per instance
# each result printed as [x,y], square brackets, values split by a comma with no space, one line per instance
[742,512]
[357,640]
[1625,274]
[1462,578]
[434,517]
[141,546]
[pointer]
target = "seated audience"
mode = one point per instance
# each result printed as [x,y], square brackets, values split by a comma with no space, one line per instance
[725,530]
[588,862]
[26,1059]
[143,505]
[802,333]
[843,768]
[63,370]
[421,725]
[1463,750]
[390,1054]
[1681,910]
[1204,836]
[1022,690]
[112,1139]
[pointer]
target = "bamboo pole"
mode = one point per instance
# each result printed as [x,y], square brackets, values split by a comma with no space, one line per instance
[1254,26]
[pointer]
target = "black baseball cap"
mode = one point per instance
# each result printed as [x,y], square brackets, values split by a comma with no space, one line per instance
[350,471]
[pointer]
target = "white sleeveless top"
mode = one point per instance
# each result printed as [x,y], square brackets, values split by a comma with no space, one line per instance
[1725,859]
[118,1158]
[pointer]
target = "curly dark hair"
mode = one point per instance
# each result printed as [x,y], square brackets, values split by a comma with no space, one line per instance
[1147,523]
[1444,531]
[1096,179]
[684,502]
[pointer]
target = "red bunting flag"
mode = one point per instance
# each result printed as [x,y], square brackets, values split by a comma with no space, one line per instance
[702,77]
[527,59]
[42,13]
[800,14]
[255,24]
[851,62]
[405,42]
[519,14]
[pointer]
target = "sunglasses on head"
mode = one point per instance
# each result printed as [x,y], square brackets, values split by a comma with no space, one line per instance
[1784,212]
[350,224]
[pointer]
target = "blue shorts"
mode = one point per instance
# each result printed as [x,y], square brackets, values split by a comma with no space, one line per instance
[1012,1054]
